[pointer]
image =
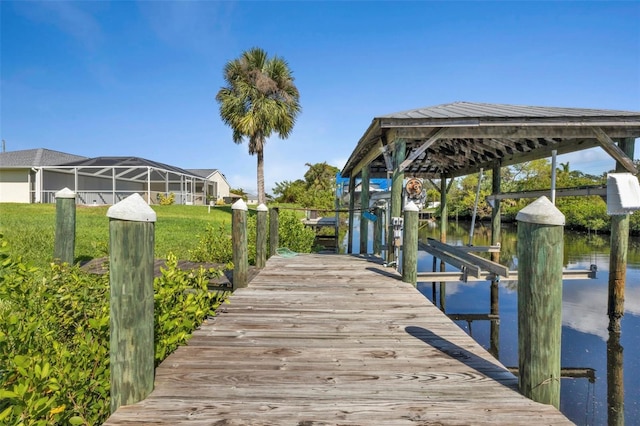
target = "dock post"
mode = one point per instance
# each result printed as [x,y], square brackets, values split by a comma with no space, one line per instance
[410,244]
[494,346]
[273,230]
[261,236]
[239,242]
[65,243]
[377,231]
[615,379]
[444,223]
[352,212]
[131,259]
[395,206]
[540,254]
[618,254]
[364,206]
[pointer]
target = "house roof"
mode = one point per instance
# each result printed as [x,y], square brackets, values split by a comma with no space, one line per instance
[36,158]
[460,138]
[205,173]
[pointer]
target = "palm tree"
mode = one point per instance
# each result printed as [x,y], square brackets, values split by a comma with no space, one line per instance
[259,99]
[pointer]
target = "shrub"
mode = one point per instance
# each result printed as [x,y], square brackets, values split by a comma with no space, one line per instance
[167,200]
[54,336]
[182,301]
[293,234]
[214,245]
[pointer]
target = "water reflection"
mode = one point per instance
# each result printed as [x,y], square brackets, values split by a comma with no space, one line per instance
[590,353]
[615,379]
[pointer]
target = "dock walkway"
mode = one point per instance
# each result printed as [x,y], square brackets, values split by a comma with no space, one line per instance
[332,339]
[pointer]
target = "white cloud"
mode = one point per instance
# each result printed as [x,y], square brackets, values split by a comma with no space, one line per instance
[195,25]
[69,17]
[584,308]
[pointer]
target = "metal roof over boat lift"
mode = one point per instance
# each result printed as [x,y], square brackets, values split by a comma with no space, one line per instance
[460,138]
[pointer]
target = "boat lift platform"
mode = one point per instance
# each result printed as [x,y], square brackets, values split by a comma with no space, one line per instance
[475,268]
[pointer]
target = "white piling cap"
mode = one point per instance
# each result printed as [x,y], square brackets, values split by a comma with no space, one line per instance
[541,211]
[132,208]
[65,193]
[262,208]
[239,205]
[411,207]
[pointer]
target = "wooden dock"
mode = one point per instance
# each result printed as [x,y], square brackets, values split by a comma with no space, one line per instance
[332,339]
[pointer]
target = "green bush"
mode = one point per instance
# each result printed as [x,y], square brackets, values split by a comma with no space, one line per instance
[214,245]
[54,336]
[292,233]
[54,345]
[167,200]
[182,301]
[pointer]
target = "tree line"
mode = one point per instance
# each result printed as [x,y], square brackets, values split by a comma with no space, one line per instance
[586,213]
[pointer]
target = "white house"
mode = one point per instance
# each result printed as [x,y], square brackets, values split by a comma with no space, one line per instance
[35,175]
[220,185]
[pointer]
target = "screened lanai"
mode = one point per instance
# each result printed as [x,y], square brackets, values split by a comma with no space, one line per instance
[107,180]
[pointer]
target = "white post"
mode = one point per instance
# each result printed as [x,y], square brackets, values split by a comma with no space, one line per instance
[149,185]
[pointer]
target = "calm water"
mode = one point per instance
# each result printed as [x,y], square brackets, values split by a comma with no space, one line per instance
[584,320]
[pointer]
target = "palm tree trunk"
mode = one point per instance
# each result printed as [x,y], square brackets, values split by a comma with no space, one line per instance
[260,155]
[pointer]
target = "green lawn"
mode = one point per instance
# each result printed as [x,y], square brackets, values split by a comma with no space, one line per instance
[30,229]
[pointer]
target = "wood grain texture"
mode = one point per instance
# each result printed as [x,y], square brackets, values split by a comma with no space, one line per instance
[540,251]
[261,239]
[65,237]
[332,339]
[131,353]
[240,250]
[274,222]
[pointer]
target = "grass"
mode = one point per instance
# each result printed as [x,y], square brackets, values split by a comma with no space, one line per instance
[30,229]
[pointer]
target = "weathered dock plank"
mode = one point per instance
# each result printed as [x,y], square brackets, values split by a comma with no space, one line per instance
[330,339]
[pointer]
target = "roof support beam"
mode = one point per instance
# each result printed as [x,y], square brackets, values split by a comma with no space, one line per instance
[515,132]
[613,150]
[521,157]
[374,153]
[422,148]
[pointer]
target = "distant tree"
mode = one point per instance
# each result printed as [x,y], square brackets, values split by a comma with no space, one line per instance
[316,190]
[239,191]
[290,191]
[259,99]
[320,176]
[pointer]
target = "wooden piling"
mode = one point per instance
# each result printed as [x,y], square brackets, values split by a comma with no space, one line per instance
[377,231]
[261,236]
[444,219]
[494,303]
[618,253]
[410,244]
[397,182]
[352,212]
[540,254]
[131,259]
[273,230]
[364,206]
[615,380]
[239,242]
[65,242]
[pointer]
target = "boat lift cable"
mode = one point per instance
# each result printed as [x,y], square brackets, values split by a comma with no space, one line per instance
[475,209]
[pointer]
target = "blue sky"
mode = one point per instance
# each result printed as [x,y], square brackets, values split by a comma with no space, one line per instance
[140,78]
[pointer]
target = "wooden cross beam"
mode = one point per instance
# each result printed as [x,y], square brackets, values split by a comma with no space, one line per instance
[422,148]
[613,150]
